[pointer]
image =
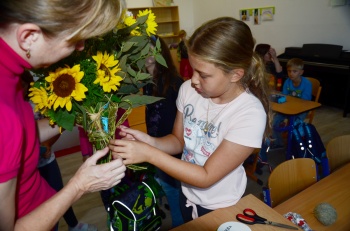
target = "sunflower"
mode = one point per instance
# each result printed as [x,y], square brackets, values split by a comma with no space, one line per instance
[151,21]
[65,85]
[107,69]
[39,97]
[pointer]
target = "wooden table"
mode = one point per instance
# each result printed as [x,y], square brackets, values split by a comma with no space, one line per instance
[292,107]
[212,220]
[333,189]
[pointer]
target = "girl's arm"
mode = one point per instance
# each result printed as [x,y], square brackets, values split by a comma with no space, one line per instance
[227,157]
[171,144]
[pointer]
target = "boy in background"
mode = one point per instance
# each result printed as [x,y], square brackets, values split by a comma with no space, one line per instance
[298,86]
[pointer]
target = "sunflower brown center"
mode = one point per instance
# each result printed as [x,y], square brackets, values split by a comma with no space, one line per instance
[106,70]
[64,85]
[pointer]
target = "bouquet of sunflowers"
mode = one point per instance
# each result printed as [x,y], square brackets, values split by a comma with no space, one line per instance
[89,87]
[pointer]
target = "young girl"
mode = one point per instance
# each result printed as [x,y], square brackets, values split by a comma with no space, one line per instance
[272,64]
[222,114]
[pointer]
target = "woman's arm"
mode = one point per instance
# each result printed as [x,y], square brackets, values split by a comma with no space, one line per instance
[7,204]
[90,177]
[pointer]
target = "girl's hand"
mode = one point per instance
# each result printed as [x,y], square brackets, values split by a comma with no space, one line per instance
[132,134]
[273,54]
[131,151]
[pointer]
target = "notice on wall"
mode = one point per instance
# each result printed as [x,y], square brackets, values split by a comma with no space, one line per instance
[259,15]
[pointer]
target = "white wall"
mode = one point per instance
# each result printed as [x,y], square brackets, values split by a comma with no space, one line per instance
[296,22]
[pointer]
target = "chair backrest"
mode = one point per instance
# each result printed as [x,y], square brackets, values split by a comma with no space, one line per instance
[316,88]
[291,177]
[316,92]
[338,151]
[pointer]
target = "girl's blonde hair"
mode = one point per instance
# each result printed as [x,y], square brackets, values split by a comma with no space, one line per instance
[79,19]
[228,44]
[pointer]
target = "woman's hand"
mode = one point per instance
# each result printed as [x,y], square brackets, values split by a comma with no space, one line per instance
[92,177]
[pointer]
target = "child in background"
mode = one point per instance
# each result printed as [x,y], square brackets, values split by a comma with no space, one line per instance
[160,117]
[185,67]
[298,86]
[272,65]
[222,113]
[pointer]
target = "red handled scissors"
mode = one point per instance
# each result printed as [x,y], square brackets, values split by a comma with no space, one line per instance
[250,217]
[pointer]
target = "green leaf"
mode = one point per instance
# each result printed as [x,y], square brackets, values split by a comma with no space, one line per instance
[139,100]
[145,50]
[142,19]
[159,58]
[128,45]
[65,119]
[131,71]
[143,76]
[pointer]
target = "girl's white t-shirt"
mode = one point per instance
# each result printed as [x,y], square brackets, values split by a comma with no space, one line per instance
[242,121]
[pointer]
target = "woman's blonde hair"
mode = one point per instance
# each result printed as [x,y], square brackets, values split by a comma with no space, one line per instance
[228,44]
[79,19]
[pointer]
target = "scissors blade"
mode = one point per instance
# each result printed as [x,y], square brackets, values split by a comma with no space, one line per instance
[281,225]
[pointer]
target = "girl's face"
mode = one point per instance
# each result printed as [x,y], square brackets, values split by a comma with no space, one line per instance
[267,57]
[208,80]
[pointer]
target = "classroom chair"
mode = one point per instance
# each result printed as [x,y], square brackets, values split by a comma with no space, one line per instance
[316,92]
[288,179]
[338,152]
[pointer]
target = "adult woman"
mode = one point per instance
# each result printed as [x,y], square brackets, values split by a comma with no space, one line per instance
[221,118]
[37,34]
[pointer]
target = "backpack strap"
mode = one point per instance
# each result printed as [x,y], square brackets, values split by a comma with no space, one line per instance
[298,139]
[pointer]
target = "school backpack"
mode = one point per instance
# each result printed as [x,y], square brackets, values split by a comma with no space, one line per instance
[133,207]
[307,143]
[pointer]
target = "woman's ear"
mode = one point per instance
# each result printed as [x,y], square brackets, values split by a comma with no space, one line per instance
[237,74]
[27,34]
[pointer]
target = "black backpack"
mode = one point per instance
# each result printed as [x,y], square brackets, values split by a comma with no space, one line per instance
[133,206]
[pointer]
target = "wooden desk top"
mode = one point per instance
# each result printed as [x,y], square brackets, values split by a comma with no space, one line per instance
[294,106]
[333,189]
[212,220]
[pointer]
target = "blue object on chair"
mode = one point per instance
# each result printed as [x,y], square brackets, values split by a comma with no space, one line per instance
[266,194]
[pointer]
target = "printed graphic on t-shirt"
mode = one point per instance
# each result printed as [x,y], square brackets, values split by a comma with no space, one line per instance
[198,145]
[294,92]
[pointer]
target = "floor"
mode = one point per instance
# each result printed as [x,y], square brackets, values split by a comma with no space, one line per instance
[328,121]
